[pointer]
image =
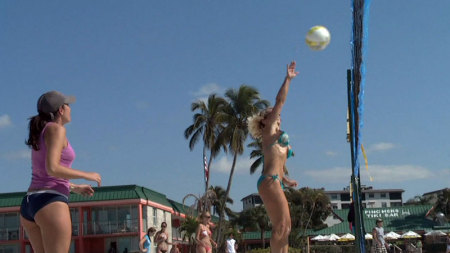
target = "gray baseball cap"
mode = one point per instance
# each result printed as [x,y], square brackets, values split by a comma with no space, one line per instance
[51,101]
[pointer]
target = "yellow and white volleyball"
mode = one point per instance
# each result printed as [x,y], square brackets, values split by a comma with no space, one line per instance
[318,38]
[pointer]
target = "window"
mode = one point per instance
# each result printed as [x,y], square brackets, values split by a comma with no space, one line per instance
[345,197]
[345,206]
[144,219]
[113,219]
[395,195]
[155,216]
[75,221]
[9,226]
[371,195]
[11,248]
[383,195]
[396,204]
[383,204]
[334,197]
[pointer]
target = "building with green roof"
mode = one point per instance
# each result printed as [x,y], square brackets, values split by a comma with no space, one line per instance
[116,216]
[397,219]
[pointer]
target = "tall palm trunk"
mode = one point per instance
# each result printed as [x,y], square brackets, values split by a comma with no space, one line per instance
[204,171]
[207,202]
[222,212]
[209,171]
[263,233]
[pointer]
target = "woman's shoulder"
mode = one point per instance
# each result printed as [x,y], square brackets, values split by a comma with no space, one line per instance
[54,128]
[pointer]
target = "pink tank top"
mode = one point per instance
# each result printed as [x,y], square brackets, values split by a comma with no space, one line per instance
[40,178]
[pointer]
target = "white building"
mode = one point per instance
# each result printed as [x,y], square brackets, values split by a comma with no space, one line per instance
[250,201]
[371,198]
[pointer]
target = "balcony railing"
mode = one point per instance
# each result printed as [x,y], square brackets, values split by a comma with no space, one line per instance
[9,234]
[110,227]
[89,228]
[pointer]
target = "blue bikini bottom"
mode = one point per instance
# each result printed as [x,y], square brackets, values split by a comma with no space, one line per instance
[274,177]
[32,203]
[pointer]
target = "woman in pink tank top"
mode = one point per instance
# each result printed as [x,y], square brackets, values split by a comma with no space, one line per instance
[45,213]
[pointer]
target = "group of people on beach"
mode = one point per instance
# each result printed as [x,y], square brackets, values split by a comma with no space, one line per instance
[45,213]
[203,238]
[161,239]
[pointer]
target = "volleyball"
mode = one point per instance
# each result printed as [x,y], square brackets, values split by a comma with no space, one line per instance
[318,38]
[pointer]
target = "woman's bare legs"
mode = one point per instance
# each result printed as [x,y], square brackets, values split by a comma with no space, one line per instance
[278,211]
[200,249]
[52,229]
[34,234]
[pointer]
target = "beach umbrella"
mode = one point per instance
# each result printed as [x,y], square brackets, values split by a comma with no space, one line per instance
[317,238]
[435,233]
[347,237]
[332,237]
[410,234]
[391,236]
[368,236]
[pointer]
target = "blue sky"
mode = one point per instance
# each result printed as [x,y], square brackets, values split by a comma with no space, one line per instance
[136,67]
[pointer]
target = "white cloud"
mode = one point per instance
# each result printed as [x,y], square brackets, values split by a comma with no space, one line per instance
[397,173]
[382,146]
[206,90]
[380,173]
[337,174]
[223,165]
[331,153]
[5,121]
[24,154]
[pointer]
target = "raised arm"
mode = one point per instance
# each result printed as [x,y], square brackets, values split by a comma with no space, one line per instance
[282,93]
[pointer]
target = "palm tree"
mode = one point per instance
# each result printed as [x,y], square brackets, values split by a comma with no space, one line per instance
[188,229]
[308,207]
[217,202]
[262,219]
[207,125]
[254,219]
[256,153]
[242,104]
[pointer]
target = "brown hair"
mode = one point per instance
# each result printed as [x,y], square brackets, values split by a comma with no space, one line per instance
[35,127]
[150,230]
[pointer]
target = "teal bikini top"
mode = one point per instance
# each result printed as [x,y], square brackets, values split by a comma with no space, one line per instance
[283,140]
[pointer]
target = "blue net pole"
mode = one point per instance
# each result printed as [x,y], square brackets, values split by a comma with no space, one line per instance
[356,81]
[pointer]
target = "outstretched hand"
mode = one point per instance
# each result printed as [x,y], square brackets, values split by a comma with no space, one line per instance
[293,184]
[83,189]
[93,176]
[291,73]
